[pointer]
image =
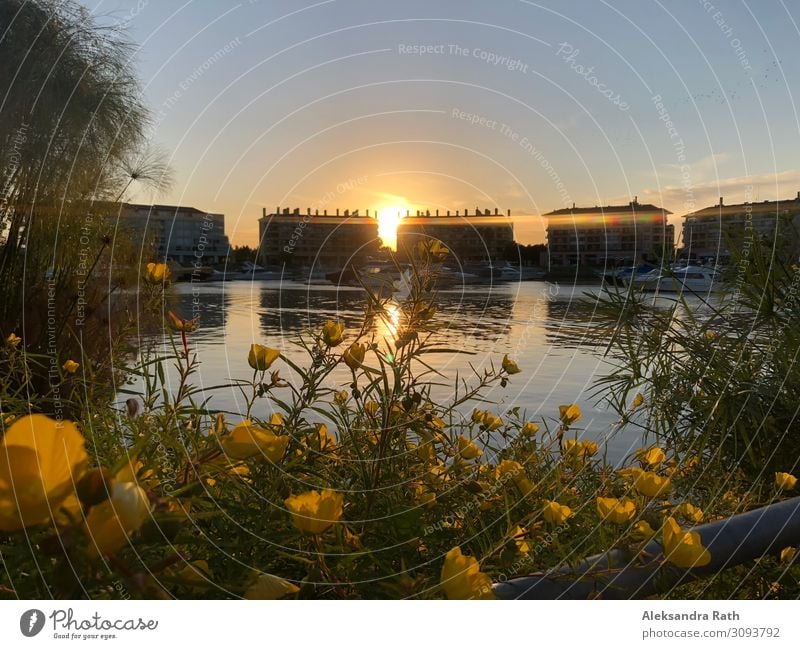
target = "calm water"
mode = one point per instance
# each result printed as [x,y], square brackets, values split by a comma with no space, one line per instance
[540,325]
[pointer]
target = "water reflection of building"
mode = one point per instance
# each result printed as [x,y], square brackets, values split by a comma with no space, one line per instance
[707,232]
[570,321]
[479,237]
[328,241]
[288,311]
[182,234]
[209,303]
[611,235]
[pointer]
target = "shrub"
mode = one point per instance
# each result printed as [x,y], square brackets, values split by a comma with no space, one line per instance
[71,142]
[367,489]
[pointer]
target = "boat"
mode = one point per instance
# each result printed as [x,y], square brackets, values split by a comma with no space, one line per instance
[690,279]
[626,274]
[447,278]
[251,270]
[513,273]
[499,272]
[489,273]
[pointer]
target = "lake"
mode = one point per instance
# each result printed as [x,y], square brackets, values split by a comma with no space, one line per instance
[540,325]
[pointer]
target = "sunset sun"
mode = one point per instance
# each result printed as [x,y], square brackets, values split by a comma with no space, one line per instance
[389,218]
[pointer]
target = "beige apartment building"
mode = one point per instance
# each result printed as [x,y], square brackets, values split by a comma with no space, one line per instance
[321,240]
[708,233]
[472,237]
[613,235]
[185,235]
[335,239]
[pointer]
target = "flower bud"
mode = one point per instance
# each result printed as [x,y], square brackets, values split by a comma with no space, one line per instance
[354,355]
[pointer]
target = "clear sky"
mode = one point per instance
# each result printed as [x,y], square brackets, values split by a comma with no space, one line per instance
[454,104]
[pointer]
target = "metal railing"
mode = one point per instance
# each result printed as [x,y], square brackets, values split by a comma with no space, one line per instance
[620,574]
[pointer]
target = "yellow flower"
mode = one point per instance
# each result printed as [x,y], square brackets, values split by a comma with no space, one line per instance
[555,513]
[643,531]
[684,549]
[70,366]
[508,467]
[569,414]
[112,522]
[631,473]
[437,474]
[325,441]
[690,463]
[690,512]
[788,554]
[424,496]
[529,429]
[241,470]
[40,460]
[332,333]
[513,471]
[638,400]
[341,397]
[354,355]
[156,273]
[261,357]
[510,366]
[785,481]
[574,448]
[616,511]
[652,456]
[425,451]
[179,324]
[478,415]
[268,586]
[247,440]
[13,340]
[491,421]
[468,449]
[519,535]
[434,248]
[372,408]
[462,578]
[314,511]
[131,471]
[651,484]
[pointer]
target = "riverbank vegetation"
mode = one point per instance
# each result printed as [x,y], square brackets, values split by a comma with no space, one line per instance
[720,372]
[370,487]
[367,488]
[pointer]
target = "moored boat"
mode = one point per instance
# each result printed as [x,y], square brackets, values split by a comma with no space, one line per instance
[692,279]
